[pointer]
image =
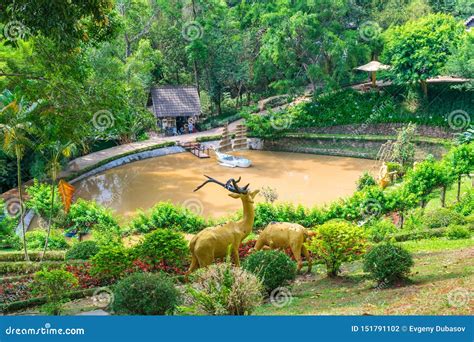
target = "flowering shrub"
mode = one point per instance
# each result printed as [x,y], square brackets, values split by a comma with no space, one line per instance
[110,263]
[148,265]
[83,276]
[336,242]
[245,248]
[15,290]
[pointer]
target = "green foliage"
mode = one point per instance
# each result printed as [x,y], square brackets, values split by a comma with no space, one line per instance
[55,285]
[222,289]
[336,242]
[40,200]
[8,224]
[273,268]
[86,215]
[110,263]
[466,204]
[420,49]
[35,239]
[403,148]
[442,217]
[286,212]
[83,250]
[163,246]
[365,180]
[456,232]
[427,176]
[146,294]
[380,230]
[388,263]
[169,216]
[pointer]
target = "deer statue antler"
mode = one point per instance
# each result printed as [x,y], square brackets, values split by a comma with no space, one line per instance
[230,185]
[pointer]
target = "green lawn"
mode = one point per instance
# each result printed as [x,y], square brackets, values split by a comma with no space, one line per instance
[441,267]
[435,201]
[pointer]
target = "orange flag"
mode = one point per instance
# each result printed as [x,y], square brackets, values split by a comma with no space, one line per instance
[66,191]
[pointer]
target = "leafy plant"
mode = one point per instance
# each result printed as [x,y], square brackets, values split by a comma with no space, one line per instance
[455,232]
[163,246]
[167,215]
[222,289]
[335,242]
[40,200]
[55,285]
[85,215]
[273,268]
[380,230]
[365,180]
[36,239]
[110,263]
[442,217]
[388,263]
[83,250]
[146,294]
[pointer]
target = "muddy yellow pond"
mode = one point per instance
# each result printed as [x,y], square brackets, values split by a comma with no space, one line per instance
[297,178]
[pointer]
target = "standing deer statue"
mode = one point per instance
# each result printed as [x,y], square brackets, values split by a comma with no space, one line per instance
[215,242]
[281,235]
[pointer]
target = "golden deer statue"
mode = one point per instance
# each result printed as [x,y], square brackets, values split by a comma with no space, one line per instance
[281,235]
[215,242]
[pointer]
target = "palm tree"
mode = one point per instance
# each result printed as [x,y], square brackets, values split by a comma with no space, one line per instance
[15,129]
[55,151]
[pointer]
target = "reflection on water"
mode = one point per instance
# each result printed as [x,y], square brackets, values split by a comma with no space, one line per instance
[298,178]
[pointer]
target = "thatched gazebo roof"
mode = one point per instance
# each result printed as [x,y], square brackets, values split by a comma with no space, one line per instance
[373,67]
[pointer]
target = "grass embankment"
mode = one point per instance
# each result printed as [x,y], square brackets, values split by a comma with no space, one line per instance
[443,269]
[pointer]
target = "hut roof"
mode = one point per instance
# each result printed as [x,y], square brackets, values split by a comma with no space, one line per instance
[373,66]
[175,101]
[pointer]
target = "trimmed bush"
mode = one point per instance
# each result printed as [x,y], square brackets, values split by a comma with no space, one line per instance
[163,246]
[167,215]
[388,263]
[54,285]
[110,263]
[337,241]
[273,268]
[222,289]
[457,232]
[83,250]
[380,230]
[146,294]
[442,217]
[36,239]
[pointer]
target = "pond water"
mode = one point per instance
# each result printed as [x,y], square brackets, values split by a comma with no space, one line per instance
[298,178]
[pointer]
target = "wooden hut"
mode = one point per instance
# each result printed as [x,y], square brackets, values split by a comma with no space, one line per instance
[177,108]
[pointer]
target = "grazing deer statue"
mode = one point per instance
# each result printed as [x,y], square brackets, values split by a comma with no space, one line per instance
[215,242]
[281,235]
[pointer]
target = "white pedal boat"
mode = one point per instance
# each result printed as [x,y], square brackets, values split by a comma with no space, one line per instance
[232,161]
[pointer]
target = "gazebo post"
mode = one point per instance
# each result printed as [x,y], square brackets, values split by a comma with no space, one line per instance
[374,79]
